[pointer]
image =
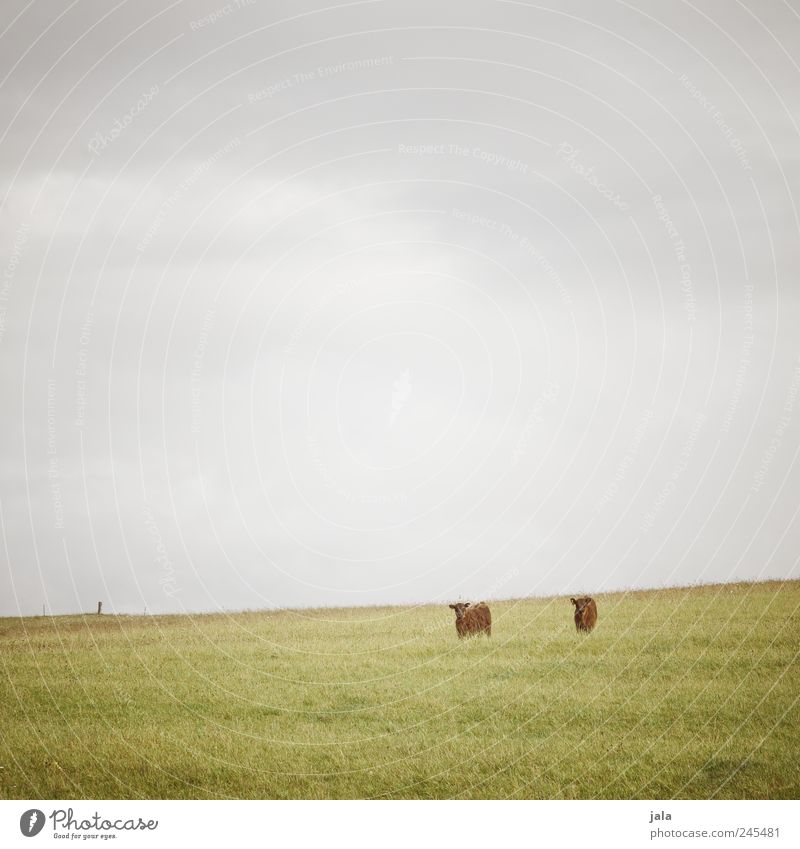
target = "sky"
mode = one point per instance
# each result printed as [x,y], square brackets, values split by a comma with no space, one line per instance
[383,302]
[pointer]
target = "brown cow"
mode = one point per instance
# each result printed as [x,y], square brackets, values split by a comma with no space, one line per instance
[472,619]
[585,613]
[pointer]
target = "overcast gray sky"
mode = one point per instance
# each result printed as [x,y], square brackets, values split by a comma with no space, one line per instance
[307,304]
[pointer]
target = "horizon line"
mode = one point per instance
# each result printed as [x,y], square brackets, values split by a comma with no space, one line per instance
[413,605]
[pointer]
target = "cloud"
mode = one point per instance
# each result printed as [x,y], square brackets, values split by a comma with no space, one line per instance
[368,304]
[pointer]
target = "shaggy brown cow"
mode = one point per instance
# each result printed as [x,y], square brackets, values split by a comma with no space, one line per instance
[472,619]
[585,613]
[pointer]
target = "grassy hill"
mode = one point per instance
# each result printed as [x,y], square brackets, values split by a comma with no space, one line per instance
[689,693]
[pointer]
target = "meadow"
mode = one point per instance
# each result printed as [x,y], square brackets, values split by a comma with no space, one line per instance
[687,693]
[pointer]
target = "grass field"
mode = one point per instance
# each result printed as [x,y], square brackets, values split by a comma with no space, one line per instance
[689,693]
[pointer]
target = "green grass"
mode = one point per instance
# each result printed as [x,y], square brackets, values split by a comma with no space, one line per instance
[689,693]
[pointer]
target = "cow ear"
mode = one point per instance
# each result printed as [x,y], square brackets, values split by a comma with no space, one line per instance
[573,601]
[451,606]
[467,604]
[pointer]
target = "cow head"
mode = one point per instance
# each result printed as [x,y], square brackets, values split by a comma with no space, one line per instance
[580,603]
[460,609]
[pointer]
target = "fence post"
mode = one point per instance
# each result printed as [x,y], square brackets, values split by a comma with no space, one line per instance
[99,607]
